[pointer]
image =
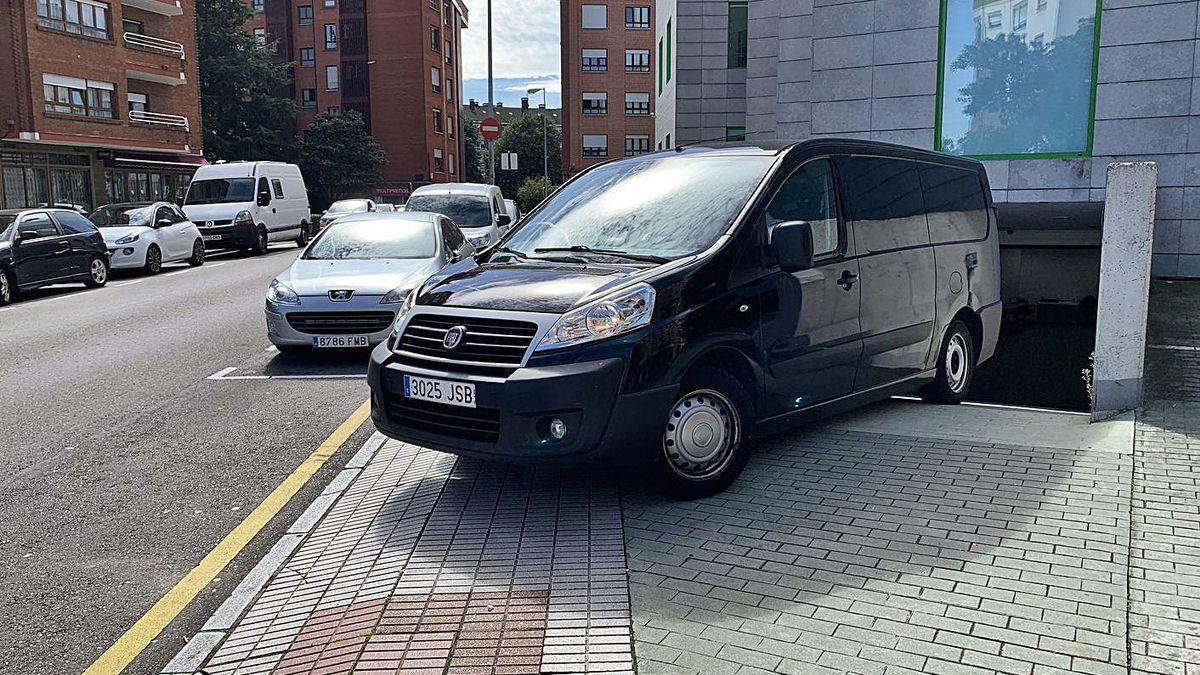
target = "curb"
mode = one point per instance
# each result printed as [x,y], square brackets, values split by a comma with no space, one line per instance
[189,659]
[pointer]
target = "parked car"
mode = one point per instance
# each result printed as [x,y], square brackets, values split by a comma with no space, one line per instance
[344,290]
[476,208]
[346,207]
[384,207]
[44,246]
[513,211]
[248,205]
[144,236]
[667,309]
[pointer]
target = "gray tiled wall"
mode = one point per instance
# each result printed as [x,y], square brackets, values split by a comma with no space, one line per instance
[868,69]
[709,97]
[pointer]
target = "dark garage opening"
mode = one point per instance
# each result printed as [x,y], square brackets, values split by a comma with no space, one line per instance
[1049,280]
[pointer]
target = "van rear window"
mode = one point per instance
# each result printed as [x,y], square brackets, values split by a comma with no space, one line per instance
[882,197]
[955,203]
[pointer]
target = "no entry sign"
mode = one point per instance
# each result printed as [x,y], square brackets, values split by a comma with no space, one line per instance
[490,128]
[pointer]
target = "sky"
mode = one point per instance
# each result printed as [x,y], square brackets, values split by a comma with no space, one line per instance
[525,51]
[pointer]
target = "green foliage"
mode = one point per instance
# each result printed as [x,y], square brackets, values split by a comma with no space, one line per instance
[530,193]
[242,118]
[474,164]
[339,158]
[523,135]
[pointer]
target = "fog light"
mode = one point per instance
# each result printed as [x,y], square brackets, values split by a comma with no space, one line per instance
[558,429]
[127,251]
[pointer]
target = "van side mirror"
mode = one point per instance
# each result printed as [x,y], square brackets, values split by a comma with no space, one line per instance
[264,198]
[503,220]
[792,245]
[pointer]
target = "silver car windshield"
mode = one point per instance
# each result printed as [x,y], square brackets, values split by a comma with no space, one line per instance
[374,239]
[667,206]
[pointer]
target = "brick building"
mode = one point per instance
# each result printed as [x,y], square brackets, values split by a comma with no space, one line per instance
[101,101]
[397,63]
[608,80]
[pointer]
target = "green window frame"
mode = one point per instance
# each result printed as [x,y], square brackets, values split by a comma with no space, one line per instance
[668,63]
[939,141]
[660,65]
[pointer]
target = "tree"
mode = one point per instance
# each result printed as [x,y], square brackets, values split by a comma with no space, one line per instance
[531,192]
[241,116]
[339,158]
[523,136]
[474,166]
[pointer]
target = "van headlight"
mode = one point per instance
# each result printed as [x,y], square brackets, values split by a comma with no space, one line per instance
[280,294]
[603,318]
[243,218]
[409,301]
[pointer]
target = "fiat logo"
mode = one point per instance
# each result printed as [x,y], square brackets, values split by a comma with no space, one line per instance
[454,337]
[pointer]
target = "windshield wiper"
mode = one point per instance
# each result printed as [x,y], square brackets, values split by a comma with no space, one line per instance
[511,251]
[519,255]
[639,257]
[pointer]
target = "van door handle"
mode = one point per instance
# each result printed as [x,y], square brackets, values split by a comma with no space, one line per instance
[847,280]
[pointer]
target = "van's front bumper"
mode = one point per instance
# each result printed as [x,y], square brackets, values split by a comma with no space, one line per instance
[228,236]
[604,427]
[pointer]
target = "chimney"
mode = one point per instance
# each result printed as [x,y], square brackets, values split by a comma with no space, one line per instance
[472,105]
[524,104]
[499,104]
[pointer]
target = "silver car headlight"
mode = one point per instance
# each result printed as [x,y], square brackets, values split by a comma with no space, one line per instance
[397,295]
[604,318]
[280,294]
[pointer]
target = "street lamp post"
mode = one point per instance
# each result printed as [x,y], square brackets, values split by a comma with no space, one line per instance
[545,142]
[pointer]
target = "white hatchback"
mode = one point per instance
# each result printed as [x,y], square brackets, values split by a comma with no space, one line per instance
[145,236]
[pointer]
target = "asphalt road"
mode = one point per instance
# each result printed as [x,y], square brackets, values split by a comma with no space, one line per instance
[122,464]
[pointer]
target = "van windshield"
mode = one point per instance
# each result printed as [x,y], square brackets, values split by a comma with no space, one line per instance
[464,210]
[668,206]
[220,191]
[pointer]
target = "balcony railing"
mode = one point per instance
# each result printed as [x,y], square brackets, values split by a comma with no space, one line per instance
[154,44]
[159,119]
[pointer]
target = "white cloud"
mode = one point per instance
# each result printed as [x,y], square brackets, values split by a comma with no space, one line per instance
[525,39]
[553,85]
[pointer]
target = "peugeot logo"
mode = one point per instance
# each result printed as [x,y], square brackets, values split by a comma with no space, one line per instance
[454,337]
[341,295]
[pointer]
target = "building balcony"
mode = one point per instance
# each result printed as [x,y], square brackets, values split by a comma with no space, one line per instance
[154,44]
[165,8]
[159,119]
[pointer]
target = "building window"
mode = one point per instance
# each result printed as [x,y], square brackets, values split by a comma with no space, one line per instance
[1041,5]
[595,145]
[433,4]
[437,121]
[331,36]
[637,17]
[306,15]
[447,14]
[449,51]
[439,163]
[258,5]
[738,32]
[450,127]
[83,17]
[594,16]
[453,164]
[308,98]
[333,110]
[995,19]
[260,37]
[660,65]
[595,60]
[435,77]
[637,60]
[637,103]
[595,103]
[331,78]
[1002,97]
[637,145]
[667,59]
[330,4]
[735,133]
[435,38]
[75,96]
[1020,13]
[137,102]
[132,26]
[308,57]
[449,90]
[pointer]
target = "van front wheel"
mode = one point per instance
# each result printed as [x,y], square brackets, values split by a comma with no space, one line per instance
[704,447]
[955,367]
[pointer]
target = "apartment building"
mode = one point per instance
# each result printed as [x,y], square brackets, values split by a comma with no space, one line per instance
[608,80]
[101,101]
[397,63]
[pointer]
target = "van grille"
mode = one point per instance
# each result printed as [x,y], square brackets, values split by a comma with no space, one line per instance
[469,424]
[340,323]
[489,346]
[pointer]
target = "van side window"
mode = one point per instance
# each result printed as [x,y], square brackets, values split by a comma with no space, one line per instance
[278,185]
[808,194]
[955,203]
[882,198]
[263,187]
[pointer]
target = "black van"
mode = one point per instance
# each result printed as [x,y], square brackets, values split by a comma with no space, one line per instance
[666,309]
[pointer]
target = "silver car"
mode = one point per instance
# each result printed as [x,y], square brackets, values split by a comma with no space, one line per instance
[344,207]
[344,290]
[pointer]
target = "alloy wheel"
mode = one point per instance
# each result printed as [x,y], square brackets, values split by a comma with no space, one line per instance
[5,291]
[198,252]
[153,260]
[702,431]
[99,271]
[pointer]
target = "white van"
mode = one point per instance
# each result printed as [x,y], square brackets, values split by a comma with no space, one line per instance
[247,205]
[477,209]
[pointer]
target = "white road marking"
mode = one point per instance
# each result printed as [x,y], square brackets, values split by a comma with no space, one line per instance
[1178,348]
[226,374]
[129,283]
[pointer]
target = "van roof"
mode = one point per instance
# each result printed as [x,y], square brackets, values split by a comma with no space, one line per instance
[238,169]
[456,188]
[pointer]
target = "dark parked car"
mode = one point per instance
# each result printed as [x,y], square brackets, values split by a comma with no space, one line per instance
[48,246]
[666,309]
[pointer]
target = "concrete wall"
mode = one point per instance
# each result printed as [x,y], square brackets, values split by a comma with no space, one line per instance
[868,69]
[707,95]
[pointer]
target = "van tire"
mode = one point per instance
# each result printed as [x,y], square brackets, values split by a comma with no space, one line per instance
[260,241]
[302,240]
[955,367]
[708,397]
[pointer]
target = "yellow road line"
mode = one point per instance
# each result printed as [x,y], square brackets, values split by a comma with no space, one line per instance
[126,649]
